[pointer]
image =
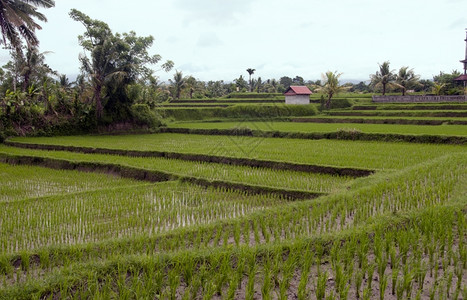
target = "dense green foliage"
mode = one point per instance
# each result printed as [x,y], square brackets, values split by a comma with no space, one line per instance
[238,112]
[17,20]
[255,95]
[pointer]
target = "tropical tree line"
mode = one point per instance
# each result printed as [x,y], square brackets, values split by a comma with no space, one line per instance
[386,80]
[118,82]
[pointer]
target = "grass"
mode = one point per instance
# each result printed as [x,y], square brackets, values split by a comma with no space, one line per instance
[401,113]
[363,154]
[329,127]
[419,106]
[445,119]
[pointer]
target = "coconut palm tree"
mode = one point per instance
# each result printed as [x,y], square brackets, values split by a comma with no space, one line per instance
[17,21]
[383,78]
[192,85]
[178,83]
[438,88]
[330,86]
[250,72]
[34,67]
[406,78]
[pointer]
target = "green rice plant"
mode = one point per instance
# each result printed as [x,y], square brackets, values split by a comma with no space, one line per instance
[166,221]
[246,232]
[250,287]
[267,278]
[327,127]
[322,278]
[373,155]
[450,275]
[459,272]
[342,288]
[264,231]
[285,179]
[383,284]
[223,272]
[23,182]
[288,268]
[366,293]
[5,266]
[420,273]
[407,280]
[236,278]
[237,233]
[256,231]
[308,260]
[369,274]
[117,213]
[358,279]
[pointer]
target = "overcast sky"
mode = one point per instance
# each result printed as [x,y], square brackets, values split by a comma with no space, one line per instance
[220,39]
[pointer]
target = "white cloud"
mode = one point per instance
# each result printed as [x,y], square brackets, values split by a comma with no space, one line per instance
[220,39]
[213,12]
[208,39]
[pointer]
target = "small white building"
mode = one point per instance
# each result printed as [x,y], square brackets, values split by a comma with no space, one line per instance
[297,95]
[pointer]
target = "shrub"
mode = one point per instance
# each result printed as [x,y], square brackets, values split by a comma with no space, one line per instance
[239,111]
[256,95]
[143,115]
[348,133]
[341,103]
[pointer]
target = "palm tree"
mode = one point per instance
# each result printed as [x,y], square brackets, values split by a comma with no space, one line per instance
[406,78]
[34,66]
[384,77]
[178,83]
[250,72]
[438,88]
[17,20]
[191,84]
[331,86]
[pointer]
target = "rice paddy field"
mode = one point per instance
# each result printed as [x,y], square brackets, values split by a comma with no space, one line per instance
[459,130]
[190,216]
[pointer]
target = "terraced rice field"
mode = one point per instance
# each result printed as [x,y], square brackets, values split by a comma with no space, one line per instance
[372,155]
[193,227]
[459,130]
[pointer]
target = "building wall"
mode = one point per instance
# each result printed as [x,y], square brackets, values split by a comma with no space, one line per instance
[418,99]
[297,99]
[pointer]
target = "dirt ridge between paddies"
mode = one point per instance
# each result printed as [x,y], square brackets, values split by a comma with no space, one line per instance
[152,175]
[337,135]
[340,171]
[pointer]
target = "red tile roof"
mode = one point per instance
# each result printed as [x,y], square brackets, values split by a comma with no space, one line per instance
[461,78]
[297,90]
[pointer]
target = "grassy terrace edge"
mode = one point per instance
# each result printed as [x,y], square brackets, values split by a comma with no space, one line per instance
[338,135]
[151,175]
[379,120]
[340,171]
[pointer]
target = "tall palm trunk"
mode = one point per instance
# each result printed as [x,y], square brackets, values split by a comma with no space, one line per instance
[98,99]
